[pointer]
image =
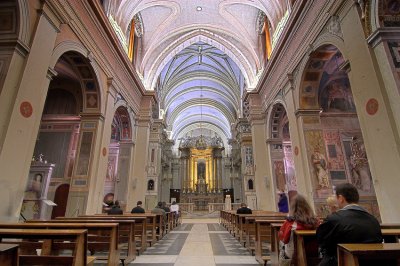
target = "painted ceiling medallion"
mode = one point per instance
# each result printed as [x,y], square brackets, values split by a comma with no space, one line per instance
[372,106]
[26,109]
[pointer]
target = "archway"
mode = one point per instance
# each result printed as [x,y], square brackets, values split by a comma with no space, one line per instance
[63,148]
[281,153]
[120,150]
[333,138]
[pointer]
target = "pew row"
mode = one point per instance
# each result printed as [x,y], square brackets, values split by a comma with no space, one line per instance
[50,242]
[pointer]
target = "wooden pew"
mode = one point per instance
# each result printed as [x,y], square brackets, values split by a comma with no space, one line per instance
[265,239]
[54,240]
[9,254]
[148,220]
[250,230]
[129,230]
[308,237]
[101,236]
[306,248]
[387,254]
[275,227]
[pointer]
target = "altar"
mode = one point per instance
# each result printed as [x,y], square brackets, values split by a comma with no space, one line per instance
[201,158]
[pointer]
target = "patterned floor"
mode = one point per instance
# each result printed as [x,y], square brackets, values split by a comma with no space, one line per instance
[224,249]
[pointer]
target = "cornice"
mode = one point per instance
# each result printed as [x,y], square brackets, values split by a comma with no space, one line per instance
[383,34]
[307,112]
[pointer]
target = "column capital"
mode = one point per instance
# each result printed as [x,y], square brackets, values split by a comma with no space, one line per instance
[383,35]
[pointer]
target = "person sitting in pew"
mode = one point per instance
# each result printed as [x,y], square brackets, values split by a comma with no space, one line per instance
[301,217]
[350,224]
[115,209]
[244,209]
[138,208]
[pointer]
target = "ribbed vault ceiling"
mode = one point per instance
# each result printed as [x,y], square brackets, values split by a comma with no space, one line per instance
[199,62]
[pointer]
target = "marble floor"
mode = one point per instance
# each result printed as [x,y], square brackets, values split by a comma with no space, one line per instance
[197,242]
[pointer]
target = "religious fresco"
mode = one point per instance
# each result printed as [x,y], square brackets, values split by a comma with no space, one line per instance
[335,94]
[358,165]
[389,13]
[336,157]
[279,172]
[316,152]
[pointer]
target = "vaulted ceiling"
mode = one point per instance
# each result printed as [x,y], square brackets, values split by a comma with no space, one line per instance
[199,56]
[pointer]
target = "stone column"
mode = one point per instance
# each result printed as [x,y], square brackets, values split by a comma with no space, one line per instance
[137,185]
[296,121]
[100,162]
[21,112]
[194,177]
[375,89]
[84,171]
[262,163]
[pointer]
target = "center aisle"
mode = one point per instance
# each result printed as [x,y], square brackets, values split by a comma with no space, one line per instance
[197,242]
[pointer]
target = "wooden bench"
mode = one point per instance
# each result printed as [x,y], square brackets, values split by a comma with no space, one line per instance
[250,229]
[102,237]
[275,227]
[266,238]
[126,233]
[51,242]
[387,254]
[9,254]
[308,238]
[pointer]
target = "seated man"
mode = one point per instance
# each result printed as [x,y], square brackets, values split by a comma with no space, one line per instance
[350,224]
[115,209]
[138,208]
[244,209]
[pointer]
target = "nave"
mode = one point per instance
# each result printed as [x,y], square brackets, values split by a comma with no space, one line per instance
[196,242]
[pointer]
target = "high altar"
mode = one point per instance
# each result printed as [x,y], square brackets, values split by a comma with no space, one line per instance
[201,172]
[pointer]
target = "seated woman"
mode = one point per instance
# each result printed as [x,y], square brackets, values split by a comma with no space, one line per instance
[301,217]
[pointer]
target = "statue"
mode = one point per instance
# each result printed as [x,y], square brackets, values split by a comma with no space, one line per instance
[319,162]
[359,165]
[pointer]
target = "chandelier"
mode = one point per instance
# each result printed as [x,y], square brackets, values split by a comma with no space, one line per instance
[201,143]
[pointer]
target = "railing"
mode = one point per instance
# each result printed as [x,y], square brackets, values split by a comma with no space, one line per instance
[212,207]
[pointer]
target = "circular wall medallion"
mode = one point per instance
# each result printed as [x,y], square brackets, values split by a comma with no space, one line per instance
[296,150]
[26,109]
[372,106]
[104,151]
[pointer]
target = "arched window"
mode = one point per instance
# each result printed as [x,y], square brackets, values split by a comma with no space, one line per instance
[250,184]
[150,185]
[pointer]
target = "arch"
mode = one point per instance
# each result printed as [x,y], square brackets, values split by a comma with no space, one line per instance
[333,138]
[150,185]
[250,184]
[270,115]
[23,22]
[121,125]
[60,198]
[68,46]
[316,65]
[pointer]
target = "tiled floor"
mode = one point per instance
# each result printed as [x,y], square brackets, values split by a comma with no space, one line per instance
[197,242]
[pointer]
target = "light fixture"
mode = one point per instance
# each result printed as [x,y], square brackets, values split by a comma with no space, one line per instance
[201,142]
[199,8]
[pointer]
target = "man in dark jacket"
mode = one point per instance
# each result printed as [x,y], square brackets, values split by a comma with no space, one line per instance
[115,209]
[351,224]
[243,209]
[138,208]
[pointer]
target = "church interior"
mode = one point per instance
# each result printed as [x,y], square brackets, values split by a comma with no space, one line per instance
[206,103]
